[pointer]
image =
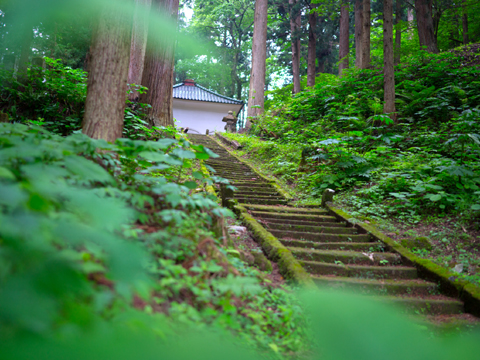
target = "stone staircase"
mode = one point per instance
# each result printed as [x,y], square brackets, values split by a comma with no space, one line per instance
[334,254]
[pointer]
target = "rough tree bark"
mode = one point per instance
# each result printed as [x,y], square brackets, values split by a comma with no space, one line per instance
[344,35]
[26,52]
[398,31]
[388,70]
[465,25]
[312,51]
[107,75]
[158,69]
[256,95]
[410,21]
[426,30]
[295,25]
[366,35]
[358,33]
[139,44]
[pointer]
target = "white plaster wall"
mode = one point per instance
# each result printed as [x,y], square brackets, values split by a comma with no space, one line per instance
[201,115]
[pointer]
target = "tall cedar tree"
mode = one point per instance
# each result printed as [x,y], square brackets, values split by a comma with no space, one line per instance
[256,95]
[139,43]
[344,37]
[107,74]
[158,69]
[398,31]
[358,33]
[426,32]
[295,29]
[312,41]
[465,24]
[366,35]
[388,70]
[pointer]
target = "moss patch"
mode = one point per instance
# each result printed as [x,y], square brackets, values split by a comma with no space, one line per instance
[289,267]
[420,242]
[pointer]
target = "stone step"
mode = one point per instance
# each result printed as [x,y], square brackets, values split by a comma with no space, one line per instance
[260,196]
[314,229]
[253,186]
[426,306]
[324,237]
[359,271]
[363,246]
[346,257]
[255,200]
[251,193]
[280,209]
[300,222]
[253,183]
[378,287]
[287,216]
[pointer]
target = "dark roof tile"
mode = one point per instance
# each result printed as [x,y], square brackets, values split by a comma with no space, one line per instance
[199,93]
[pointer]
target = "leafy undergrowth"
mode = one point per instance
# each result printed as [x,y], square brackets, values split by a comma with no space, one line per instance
[123,236]
[420,173]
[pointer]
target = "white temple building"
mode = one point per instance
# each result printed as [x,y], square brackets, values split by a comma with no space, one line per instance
[201,109]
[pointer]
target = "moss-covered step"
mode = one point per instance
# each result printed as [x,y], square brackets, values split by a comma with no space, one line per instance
[288,216]
[250,193]
[362,246]
[309,228]
[359,271]
[256,200]
[301,222]
[346,257]
[252,184]
[378,287]
[260,196]
[426,306]
[287,209]
[319,237]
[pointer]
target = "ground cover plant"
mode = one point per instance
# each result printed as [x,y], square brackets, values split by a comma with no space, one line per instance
[91,230]
[422,168]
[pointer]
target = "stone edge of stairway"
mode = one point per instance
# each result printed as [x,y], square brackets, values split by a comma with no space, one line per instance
[448,282]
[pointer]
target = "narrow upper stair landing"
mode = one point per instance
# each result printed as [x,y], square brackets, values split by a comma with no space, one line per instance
[332,252]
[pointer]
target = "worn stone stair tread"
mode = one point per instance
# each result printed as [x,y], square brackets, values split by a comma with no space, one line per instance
[377,286]
[289,216]
[241,200]
[266,196]
[346,257]
[285,209]
[313,229]
[320,237]
[425,305]
[360,246]
[266,193]
[301,222]
[360,271]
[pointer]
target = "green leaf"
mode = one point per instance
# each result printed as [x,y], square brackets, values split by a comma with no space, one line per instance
[6,174]
[475,207]
[435,197]
[192,185]
[152,156]
[183,154]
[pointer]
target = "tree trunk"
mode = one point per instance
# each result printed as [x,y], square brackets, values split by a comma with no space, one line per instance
[398,30]
[256,94]
[25,53]
[295,27]
[312,52]
[388,70]
[158,69]
[107,75]
[344,35]
[366,35]
[410,22]
[426,29]
[358,33]
[465,25]
[139,44]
